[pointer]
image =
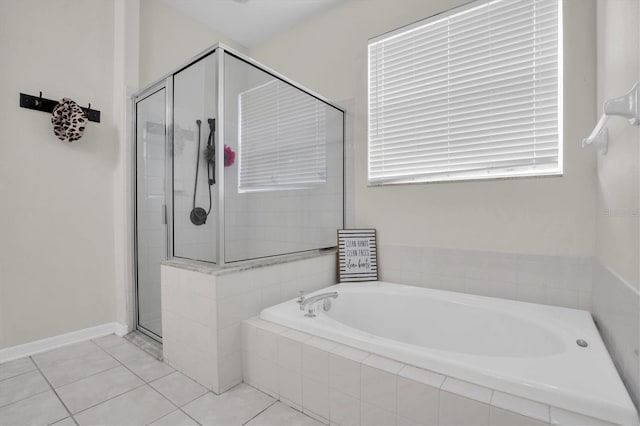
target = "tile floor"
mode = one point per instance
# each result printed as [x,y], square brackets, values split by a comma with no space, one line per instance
[109,381]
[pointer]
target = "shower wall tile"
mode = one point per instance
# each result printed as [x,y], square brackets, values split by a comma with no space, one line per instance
[616,310]
[554,280]
[202,311]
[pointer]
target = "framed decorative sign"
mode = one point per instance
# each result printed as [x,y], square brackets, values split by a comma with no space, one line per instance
[357,255]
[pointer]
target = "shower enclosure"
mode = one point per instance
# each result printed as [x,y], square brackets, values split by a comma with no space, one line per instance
[233,162]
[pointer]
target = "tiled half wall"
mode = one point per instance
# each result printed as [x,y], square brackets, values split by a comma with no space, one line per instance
[203,306]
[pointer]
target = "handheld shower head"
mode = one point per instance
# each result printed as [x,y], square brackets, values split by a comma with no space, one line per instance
[198,215]
[209,153]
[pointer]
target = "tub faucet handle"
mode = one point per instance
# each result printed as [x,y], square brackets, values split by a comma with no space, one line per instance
[300,298]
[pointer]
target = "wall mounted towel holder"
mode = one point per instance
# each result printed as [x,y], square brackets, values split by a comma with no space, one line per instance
[47,105]
[626,106]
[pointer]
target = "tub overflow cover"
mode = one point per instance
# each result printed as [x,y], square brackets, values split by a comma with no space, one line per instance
[582,343]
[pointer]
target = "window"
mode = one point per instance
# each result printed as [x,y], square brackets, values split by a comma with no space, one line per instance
[474,93]
[282,143]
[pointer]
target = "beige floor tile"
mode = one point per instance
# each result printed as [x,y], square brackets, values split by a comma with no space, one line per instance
[95,389]
[235,407]
[140,406]
[281,415]
[42,409]
[149,368]
[71,369]
[16,367]
[76,350]
[21,387]
[178,388]
[125,352]
[68,421]
[177,418]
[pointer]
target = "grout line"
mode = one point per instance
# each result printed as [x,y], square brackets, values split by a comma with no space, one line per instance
[86,377]
[109,399]
[82,378]
[20,374]
[162,396]
[187,414]
[265,409]
[26,397]
[188,402]
[121,364]
[55,392]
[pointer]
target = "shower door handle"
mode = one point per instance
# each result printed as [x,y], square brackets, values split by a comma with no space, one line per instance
[164,214]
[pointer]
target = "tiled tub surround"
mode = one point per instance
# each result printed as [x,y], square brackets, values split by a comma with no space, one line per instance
[518,348]
[616,310]
[574,282]
[552,280]
[341,385]
[203,305]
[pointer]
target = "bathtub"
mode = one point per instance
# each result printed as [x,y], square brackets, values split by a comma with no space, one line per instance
[524,349]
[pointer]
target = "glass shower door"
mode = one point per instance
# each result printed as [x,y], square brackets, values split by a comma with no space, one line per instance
[150,210]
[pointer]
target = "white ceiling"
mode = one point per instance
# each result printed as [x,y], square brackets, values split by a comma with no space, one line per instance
[250,22]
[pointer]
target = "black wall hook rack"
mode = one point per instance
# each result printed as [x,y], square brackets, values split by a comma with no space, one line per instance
[47,105]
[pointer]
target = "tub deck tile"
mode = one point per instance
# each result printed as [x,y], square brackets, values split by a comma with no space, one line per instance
[562,417]
[383,364]
[422,376]
[350,353]
[296,335]
[500,417]
[467,390]
[521,406]
[322,344]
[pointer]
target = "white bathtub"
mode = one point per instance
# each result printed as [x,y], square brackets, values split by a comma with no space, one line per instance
[524,349]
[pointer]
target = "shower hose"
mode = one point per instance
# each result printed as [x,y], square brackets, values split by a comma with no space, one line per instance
[198,215]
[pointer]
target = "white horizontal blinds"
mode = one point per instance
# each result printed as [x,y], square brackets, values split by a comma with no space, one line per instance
[472,94]
[282,139]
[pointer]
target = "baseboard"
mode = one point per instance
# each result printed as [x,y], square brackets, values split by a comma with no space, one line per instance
[120,329]
[42,345]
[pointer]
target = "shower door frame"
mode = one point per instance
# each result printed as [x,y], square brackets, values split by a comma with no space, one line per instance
[166,85]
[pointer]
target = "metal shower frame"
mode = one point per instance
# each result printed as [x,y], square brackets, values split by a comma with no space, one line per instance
[167,82]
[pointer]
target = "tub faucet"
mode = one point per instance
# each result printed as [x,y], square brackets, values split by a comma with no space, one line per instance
[308,303]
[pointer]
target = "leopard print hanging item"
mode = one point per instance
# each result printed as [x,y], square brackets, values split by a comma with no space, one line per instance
[69,120]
